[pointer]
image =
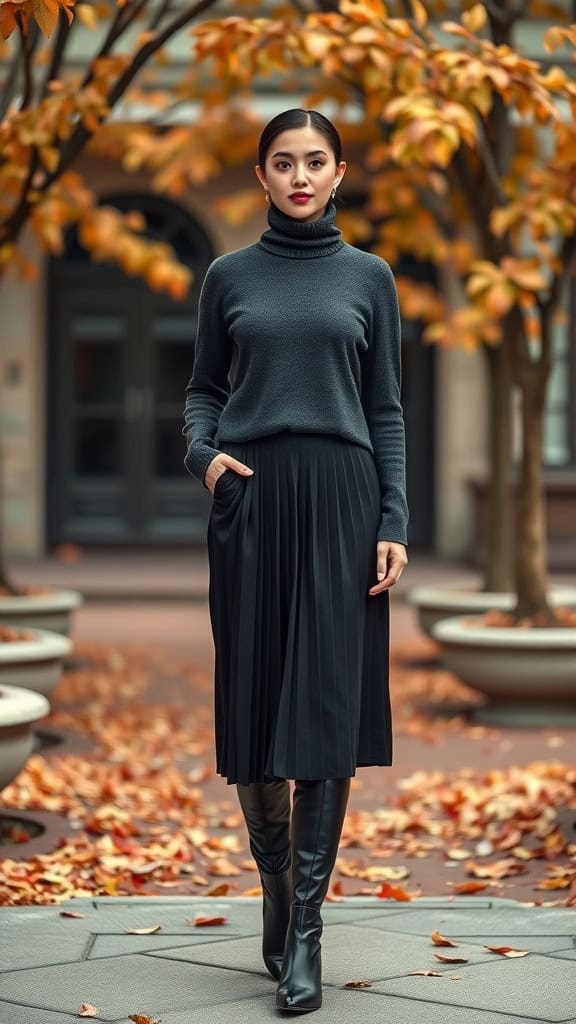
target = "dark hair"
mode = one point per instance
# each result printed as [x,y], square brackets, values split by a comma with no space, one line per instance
[298,118]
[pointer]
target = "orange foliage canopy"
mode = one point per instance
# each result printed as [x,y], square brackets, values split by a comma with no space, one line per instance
[44,12]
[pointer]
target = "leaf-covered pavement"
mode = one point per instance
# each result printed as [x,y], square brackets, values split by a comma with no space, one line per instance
[148,815]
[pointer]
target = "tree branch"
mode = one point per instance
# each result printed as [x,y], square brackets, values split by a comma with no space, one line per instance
[27,47]
[74,145]
[58,49]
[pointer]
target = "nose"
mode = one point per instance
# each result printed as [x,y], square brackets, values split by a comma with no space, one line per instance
[299,179]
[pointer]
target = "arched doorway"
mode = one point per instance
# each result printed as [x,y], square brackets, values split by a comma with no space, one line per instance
[119,358]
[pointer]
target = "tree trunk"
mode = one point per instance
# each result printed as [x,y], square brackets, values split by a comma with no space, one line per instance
[498,562]
[530,549]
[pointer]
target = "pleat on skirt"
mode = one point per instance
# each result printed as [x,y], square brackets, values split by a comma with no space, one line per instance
[301,666]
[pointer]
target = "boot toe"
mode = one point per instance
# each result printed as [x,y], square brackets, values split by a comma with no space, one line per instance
[297,1000]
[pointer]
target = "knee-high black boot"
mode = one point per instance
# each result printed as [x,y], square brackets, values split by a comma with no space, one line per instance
[318,813]
[266,809]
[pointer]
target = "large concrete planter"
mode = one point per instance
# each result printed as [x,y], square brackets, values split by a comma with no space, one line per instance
[436,603]
[34,664]
[52,611]
[528,675]
[19,709]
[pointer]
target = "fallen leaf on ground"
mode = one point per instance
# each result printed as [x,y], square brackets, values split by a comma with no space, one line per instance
[441,940]
[143,931]
[392,892]
[451,959]
[222,866]
[468,886]
[71,913]
[429,974]
[201,920]
[142,1018]
[87,1010]
[219,890]
[507,950]
[553,883]
[500,869]
[358,984]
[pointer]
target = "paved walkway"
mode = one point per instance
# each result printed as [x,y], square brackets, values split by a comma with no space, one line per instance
[183,974]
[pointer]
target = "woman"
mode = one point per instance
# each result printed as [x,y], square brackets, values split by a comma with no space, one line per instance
[294,423]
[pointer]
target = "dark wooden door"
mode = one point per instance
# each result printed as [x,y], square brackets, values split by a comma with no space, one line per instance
[120,365]
[119,358]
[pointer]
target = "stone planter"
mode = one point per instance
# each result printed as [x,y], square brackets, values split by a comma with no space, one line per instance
[34,664]
[19,708]
[52,611]
[528,675]
[436,603]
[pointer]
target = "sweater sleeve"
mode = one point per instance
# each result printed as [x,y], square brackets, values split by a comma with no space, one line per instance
[208,389]
[381,382]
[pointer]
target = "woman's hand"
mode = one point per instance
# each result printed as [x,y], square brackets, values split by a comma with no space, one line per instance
[222,464]
[390,562]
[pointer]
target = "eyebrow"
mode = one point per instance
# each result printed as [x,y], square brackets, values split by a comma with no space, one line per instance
[313,152]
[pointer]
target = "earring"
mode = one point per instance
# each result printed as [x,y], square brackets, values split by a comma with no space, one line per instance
[267,195]
[334,192]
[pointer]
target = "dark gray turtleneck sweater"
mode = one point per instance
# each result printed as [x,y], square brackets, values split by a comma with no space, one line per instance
[300,331]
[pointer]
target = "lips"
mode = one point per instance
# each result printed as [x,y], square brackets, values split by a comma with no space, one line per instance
[300,195]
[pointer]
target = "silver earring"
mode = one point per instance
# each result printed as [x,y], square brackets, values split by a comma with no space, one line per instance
[334,192]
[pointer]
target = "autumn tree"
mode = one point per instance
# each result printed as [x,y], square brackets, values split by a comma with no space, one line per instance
[471,154]
[55,103]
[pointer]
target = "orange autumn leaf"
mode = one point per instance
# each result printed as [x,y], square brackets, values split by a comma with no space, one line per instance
[219,890]
[201,921]
[441,940]
[451,959]
[554,883]
[463,887]
[222,866]
[392,892]
[87,1010]
[256,891]
[428,973]
[142,1018]
[508,951]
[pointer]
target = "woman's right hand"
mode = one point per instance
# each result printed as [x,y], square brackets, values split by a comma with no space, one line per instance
[223,463]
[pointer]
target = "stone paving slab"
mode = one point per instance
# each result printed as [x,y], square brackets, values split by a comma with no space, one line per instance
[186,975]
[10,1013]
[339,1006]
[349,953]
[537,986]
[565,954]
[526,920]
[123,945]
[128,984]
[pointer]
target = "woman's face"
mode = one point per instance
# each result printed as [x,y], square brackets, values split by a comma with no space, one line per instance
[301,160]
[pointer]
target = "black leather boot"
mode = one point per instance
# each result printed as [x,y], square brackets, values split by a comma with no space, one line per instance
[318,812]
[266,809]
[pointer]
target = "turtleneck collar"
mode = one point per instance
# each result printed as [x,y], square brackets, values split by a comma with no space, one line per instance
[287,236]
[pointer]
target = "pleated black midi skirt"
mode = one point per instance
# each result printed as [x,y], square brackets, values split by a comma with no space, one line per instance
[301,669]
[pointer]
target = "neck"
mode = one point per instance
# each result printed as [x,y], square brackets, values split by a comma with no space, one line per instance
[301,239]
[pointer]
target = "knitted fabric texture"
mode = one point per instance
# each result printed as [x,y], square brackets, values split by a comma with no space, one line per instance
[300,331]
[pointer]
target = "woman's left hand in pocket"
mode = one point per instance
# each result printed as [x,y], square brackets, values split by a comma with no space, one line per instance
[391,558]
